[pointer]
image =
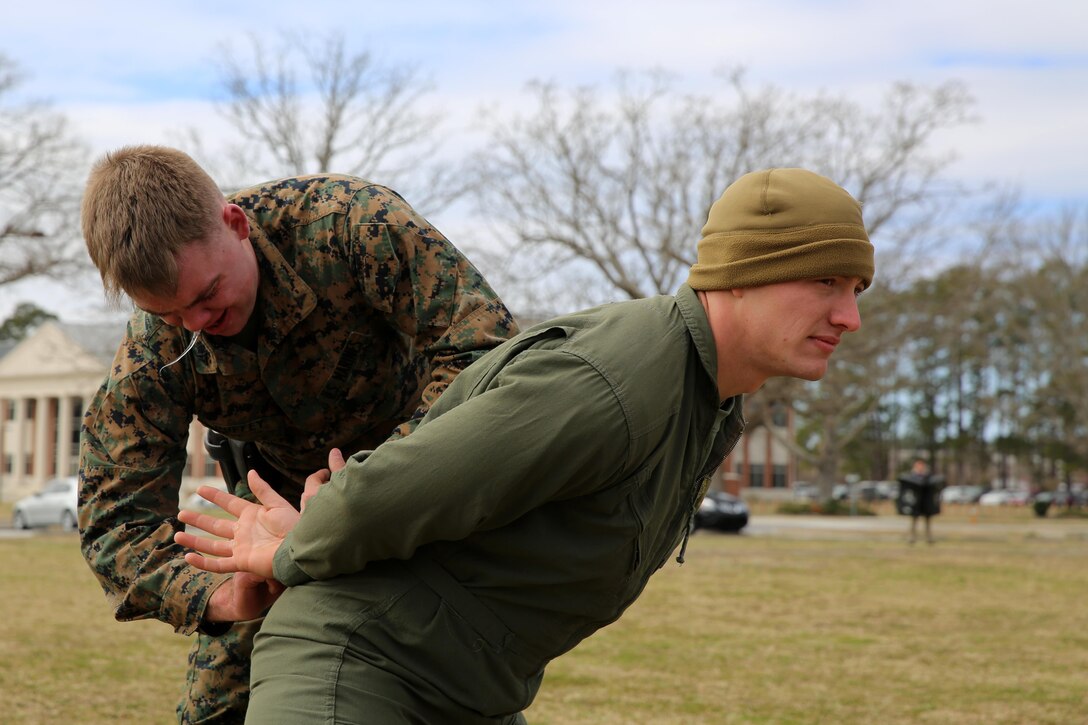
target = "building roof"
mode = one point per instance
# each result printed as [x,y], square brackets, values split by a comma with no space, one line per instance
[100,339]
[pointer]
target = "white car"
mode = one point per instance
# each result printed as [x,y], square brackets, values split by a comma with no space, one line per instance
[55,504]
[1003,497]
[961,494]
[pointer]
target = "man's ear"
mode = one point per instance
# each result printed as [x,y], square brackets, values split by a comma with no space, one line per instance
[236,220]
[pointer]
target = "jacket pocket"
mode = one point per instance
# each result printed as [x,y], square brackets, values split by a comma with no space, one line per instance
[458,646]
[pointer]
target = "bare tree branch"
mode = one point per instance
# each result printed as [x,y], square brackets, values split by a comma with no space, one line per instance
[39,203]
[307,107]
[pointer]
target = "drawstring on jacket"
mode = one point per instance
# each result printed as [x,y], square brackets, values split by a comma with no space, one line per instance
[687,535]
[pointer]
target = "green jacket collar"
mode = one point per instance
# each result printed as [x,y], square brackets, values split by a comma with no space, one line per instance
[699,328]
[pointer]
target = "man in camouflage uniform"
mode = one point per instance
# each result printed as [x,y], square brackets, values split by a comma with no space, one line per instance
[326,313]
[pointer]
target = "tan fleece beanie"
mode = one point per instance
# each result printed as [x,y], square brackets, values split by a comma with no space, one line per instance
[780,225]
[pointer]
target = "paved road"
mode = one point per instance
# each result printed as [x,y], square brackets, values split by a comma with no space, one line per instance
[6,532]
[896,527]
[838,527]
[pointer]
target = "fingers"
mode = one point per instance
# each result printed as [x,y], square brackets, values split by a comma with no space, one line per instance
[228,502]
[264,492]
[313,482]
[319,478]
[214,525]
[336,460]
[203,544]
[217,566]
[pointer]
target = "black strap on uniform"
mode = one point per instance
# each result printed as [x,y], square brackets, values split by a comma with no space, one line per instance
[237,458]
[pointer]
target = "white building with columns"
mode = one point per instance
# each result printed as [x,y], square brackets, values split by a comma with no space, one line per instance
[46,383]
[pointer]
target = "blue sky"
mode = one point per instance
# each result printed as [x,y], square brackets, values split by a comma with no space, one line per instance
[129,72]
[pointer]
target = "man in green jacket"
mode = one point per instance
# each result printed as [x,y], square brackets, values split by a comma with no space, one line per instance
[321,311]
[434,578]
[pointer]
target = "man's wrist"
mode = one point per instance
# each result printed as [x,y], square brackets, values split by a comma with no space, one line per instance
[207,626]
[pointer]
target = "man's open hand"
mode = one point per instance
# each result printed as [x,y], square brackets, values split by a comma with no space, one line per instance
[248,544]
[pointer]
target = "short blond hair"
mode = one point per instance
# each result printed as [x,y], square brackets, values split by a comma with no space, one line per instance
[141,205]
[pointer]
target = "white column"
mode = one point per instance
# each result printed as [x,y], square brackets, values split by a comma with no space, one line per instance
[18,464]
[41,439]
[64,436]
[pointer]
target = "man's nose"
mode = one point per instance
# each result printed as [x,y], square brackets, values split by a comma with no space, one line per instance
[846,314]
[196,320]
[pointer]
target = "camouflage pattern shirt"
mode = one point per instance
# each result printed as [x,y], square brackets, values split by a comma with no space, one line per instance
[365,314]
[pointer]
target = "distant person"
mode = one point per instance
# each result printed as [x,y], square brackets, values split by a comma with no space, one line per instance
[295,316]
[920,498]
[433,579]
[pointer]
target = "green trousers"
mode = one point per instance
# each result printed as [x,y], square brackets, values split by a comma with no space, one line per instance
[383,646]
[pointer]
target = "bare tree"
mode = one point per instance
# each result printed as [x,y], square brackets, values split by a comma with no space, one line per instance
[619,180]
[308,107]
[615,184]
[39,203]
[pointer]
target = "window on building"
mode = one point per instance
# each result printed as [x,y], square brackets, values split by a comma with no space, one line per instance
[755,475]
[31,407]
[211,469]
[778,476]
[9,410]
[9,464]
[779,415]
[29,467]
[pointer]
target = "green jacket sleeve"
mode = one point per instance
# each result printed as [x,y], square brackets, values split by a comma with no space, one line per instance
[548,427]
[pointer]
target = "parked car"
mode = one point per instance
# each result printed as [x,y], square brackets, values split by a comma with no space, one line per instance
[1020,498]
[804,491]
[722,511]
[1004,497]
[866,491]
[961,494]
[1064,497]
[887,490]
[54,504]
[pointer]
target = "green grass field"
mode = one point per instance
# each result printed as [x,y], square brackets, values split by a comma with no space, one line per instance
[752,629]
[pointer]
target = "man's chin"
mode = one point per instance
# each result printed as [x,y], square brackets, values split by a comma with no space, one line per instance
[812,375]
